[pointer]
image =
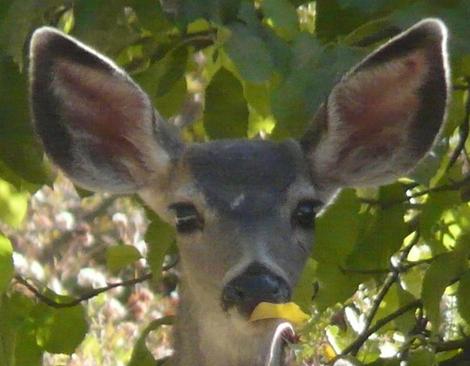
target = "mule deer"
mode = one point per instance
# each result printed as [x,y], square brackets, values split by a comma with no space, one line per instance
[244,210]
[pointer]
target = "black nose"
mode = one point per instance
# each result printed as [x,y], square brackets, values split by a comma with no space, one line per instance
[255,285]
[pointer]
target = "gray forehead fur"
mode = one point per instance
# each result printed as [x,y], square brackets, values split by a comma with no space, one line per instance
[245,178]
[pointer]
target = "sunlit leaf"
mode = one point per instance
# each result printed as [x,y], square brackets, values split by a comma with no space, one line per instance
[304,291]
[60,330]
[18,345]
[6,263]
[385,232]
[335,245]
[434,207]
[159,237]
[120,256]
[440,274]
[13,204]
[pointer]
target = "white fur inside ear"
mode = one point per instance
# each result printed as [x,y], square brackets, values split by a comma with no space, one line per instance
[100,105]
[96,123]
[367,113]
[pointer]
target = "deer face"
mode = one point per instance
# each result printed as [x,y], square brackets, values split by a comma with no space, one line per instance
[244,210]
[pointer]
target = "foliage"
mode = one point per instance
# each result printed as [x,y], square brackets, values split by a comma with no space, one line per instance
[390,266]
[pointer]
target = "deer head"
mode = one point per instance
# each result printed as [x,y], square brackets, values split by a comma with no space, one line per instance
[244,210]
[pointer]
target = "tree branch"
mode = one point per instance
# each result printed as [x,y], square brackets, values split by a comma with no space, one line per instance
[452,345]
[392,277]
[357,344]
[87,296]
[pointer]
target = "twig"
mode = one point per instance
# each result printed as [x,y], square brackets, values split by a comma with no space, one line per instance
[445,187]
[442,188]
[87,296]
[392,277]
[452,345]
[379,324]
[364,271]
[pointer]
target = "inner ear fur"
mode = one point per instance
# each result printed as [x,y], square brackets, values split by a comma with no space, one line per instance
[384,115]
[95,123]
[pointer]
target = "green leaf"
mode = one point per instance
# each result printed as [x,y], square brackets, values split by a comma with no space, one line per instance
[171,103]
[431,213]
[103,25]
[455,16]
[18,345]
[141,356]
[160,78]
[27,351]
[385,232]
[283,16]
[225,112]
[13,204]
[20,19]
[6,263]
[332,248]
[463,297]
[159,238]
[151,15]
[250,54]
[313,71]
[60,330]
[427,167]
[328,14]
[7,333]
[219,11]
[165,83]
[257,96]
[335,285]
[303,292]
[120,256]
[443,270]
[422,357]
[365,6]
[385,362]
[395,298]
[19,148]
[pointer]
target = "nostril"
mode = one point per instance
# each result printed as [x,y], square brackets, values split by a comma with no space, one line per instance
[276,289]
[232,295]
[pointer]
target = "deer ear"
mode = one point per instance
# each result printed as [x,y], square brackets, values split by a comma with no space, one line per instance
[95,123]
[384,115]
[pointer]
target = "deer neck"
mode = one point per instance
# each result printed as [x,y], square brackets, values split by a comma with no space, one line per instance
[207,336]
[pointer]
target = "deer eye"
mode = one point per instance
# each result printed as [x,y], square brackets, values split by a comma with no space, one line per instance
[304,214]
[188,219]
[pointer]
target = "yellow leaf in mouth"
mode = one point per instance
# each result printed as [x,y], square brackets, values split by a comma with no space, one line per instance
[289,311]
